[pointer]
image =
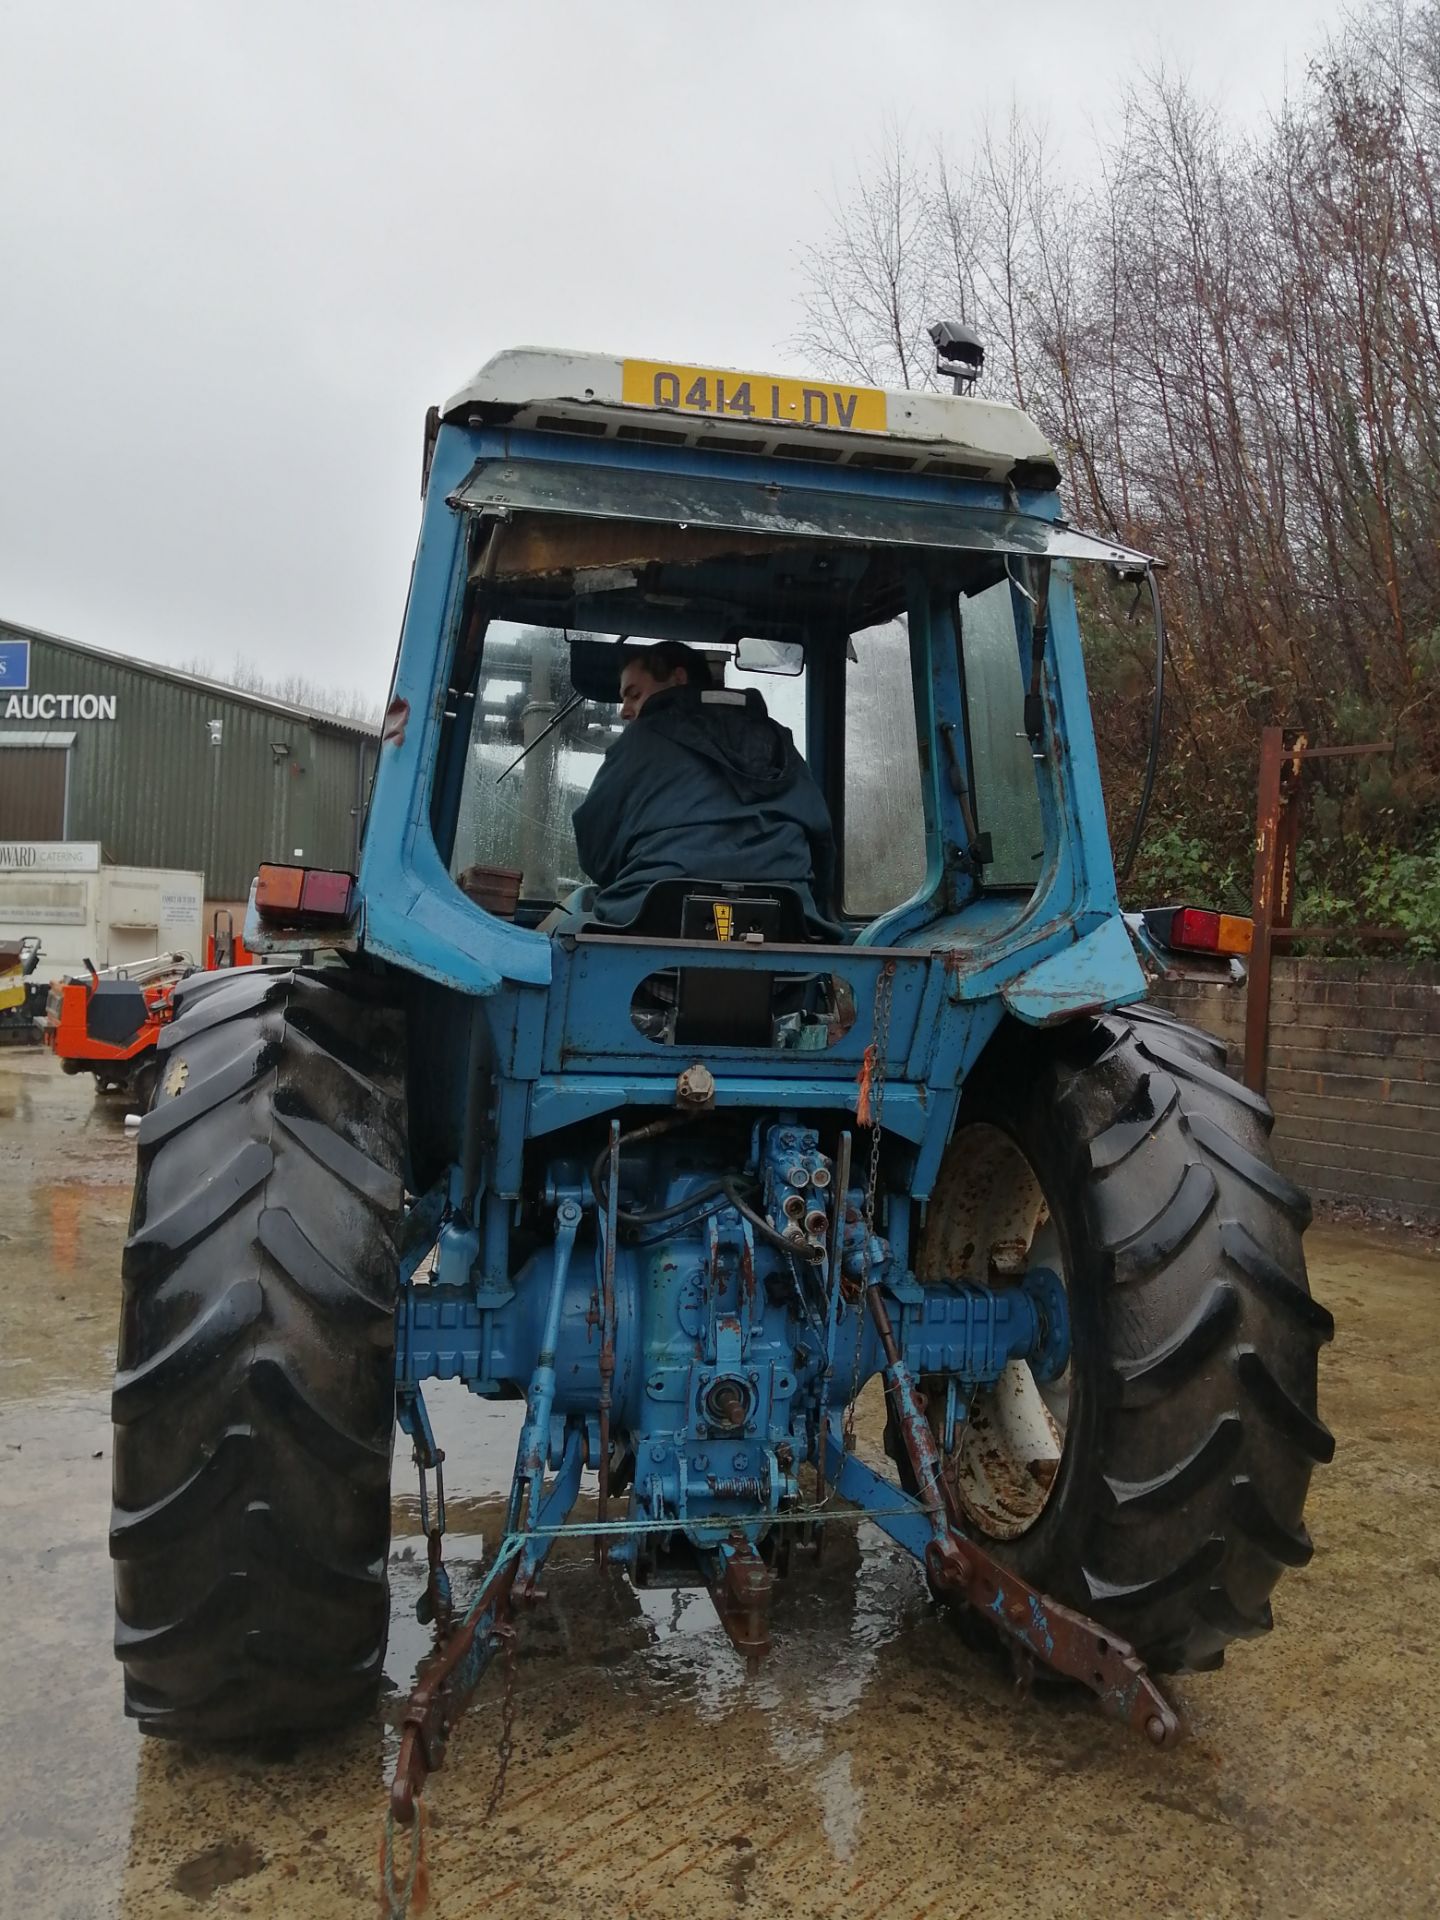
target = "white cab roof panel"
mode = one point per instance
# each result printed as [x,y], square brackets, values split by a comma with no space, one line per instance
[662,402]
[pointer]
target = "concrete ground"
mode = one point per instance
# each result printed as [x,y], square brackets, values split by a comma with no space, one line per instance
[874,1767]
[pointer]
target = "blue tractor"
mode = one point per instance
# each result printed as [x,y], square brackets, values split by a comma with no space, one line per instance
[683,1185]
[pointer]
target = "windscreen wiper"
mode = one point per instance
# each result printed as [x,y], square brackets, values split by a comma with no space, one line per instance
[549,727]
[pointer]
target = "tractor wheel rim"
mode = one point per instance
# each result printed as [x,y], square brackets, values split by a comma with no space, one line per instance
[1006,1464]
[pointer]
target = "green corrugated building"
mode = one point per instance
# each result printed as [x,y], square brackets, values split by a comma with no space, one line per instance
[166,769]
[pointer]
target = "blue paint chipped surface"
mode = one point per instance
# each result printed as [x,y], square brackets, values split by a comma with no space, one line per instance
[1040,1624]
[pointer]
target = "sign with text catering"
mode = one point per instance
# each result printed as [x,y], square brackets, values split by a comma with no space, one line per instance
[49,856]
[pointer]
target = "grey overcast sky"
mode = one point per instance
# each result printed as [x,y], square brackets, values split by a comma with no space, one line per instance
[245,243]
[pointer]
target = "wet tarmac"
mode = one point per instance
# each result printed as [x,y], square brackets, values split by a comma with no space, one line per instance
[873,1767]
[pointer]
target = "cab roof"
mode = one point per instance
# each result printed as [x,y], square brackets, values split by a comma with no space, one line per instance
[833,422]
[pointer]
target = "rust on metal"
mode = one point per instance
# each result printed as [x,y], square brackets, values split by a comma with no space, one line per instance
[726,1405]
[740,1589]
[1055,1636]
[439,1603]
[1272,896]
[1063,1014]
[931,1488]
[1047,1631]
[444,1683]
[1303,752]
[1266,889]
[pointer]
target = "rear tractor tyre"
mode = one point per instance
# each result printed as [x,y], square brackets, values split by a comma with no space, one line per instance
[1158,1485]
[143,1083]
[254,1401]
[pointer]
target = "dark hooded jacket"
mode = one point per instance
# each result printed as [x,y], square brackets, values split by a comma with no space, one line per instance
[704,786]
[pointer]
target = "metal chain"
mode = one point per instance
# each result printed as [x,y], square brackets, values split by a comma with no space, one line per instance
[504,1631]
[880,1042]
[884,992]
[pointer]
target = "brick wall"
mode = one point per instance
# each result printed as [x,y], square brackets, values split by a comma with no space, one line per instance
[1354,1072]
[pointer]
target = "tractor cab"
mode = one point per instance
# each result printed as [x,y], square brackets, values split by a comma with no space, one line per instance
[869,565]
[891,574]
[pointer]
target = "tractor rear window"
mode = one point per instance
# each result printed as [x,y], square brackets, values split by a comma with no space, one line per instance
[884,813]
[885,851]
[1007,798]
[536,742]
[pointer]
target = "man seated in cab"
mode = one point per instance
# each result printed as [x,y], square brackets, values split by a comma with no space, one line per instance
[701,785]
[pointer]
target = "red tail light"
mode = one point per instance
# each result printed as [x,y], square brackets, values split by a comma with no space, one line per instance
[1197,930]
[326,896]
[303,896]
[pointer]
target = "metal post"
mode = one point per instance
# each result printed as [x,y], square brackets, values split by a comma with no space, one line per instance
[1268,845]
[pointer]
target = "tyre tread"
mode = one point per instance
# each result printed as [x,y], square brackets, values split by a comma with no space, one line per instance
[1178,1483]
[1305,1431]
[1171,1227]
[1167,1052]
[1162,1369]
[254,1395]
[191,1356]
[1287,1546]
[1260,1174]
[1200,1430]
[1129,1130]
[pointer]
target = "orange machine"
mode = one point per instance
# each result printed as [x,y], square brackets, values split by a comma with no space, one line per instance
[108,1022]
[223,946]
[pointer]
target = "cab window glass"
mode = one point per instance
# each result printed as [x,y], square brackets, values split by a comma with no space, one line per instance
[786,697]
[520,817]
[884,813]
[1007,799]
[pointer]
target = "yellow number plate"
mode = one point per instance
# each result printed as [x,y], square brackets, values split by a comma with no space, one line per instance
[751,396]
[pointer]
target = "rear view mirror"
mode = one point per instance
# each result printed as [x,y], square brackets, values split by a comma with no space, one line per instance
[754,655]
[595,669]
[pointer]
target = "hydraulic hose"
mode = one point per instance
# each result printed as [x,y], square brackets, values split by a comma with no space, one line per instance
[726,1188]
[647,1216]
[801,1250]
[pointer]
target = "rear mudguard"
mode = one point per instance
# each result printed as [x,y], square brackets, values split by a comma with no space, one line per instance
[1093,974]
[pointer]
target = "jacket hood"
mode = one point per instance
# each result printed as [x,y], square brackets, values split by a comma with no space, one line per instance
[730,728]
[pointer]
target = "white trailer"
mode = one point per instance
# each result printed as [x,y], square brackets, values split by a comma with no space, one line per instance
[80,908]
